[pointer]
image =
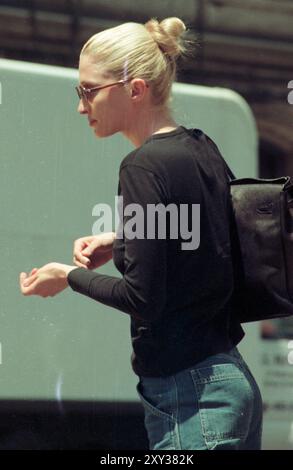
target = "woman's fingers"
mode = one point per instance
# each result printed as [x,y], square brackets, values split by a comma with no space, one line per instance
[33,271]
[25,282]
[81,260]
[81,265]
[22,277]
[29,280]
[78,257]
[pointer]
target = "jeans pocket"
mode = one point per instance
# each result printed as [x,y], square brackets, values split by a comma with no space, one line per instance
[159,424]
[225,400]
[156,403]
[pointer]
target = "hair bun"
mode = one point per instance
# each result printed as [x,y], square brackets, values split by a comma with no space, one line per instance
[173,26]
[167,35]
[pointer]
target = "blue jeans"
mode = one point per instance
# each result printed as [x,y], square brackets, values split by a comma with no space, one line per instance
[214,405]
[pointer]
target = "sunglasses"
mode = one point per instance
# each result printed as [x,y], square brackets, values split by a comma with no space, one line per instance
[85,93]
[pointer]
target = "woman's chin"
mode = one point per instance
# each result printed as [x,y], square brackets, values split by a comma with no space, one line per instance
[103,132]
[98,132]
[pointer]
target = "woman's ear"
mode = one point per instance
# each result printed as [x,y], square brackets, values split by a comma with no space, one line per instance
[138,89]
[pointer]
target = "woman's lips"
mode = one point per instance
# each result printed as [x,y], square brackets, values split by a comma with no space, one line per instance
[92,122]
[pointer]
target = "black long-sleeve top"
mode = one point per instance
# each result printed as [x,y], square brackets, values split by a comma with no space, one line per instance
[178,299]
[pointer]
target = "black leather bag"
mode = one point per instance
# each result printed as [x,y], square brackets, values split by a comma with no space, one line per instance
[262,247]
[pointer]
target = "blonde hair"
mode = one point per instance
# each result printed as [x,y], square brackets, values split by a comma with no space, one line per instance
[149,51]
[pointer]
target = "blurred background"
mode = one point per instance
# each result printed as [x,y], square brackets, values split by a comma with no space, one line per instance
[243,45]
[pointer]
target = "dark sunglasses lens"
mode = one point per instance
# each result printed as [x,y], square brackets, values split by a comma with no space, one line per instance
[81,94]
[78,92]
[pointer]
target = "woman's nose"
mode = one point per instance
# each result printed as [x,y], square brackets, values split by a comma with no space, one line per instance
[81,108]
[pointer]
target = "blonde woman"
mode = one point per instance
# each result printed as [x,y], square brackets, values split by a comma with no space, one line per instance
[196,390]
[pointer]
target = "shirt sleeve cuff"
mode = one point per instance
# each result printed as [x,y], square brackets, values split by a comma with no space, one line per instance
[79,279]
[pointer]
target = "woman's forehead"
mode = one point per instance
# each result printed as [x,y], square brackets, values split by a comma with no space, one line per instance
[90,71]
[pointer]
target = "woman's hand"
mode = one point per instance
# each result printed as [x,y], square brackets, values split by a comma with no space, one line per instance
[93,251]
[46,281]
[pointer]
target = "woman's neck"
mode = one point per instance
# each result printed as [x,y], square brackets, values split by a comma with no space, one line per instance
[145,124]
